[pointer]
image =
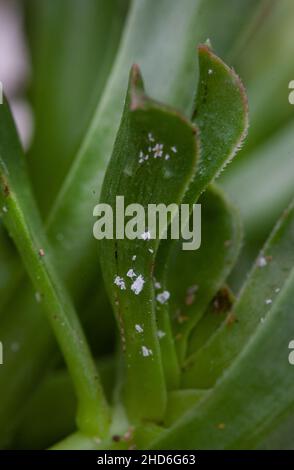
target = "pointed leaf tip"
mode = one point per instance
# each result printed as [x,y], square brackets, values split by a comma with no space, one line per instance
[136,88]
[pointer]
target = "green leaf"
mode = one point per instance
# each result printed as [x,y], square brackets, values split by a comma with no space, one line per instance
[254,303]
[265,164]
[268,75]
[217,312]
[270,177]
[221,113]
[280,437]
[179,402]
[10,269]
[22,220]
[145,124]
[202,271]
[50,413]
[73,44]
[222,116]
[250,397]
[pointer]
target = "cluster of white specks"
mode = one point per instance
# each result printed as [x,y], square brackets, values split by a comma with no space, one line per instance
[119,282]
[146,352]
[146,235]
[160,334]
[138,285]
[268,301]
[261,262]
[155,150]
[131,273]
[4,209]
[163,297]
[139,328]
[138,281]
[38,297]
[158,150]
[143,157]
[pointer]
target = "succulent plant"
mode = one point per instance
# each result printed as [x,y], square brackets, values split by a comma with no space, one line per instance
[118,343]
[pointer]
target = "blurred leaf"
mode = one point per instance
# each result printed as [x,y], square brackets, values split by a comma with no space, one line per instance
[254,303]
[266,76]
[50,412]
[22,220]
[270,178]
[73,44]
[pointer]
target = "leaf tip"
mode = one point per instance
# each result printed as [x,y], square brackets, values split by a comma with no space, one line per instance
[136,87]
[205,51]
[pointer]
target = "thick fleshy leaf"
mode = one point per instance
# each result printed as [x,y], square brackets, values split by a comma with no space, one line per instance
[22,220]
[179,402]
[216,314]
[153,162]
[222,116]
[221,113]
[281,436]
[254,303]
[202,271]
[250,397]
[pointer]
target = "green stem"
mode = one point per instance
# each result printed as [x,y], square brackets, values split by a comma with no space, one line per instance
[21,218]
